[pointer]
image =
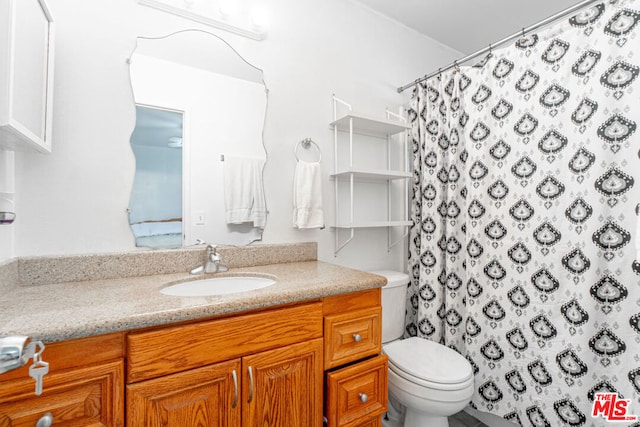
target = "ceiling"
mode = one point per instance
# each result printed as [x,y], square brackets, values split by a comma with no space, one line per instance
[468,25]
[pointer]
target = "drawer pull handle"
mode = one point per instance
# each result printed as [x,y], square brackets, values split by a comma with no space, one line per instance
[357,337]
[45,421]
[235,388]
[363,397]
[250,385]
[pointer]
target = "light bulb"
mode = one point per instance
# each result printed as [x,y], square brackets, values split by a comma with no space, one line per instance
[227,8]
[259,18]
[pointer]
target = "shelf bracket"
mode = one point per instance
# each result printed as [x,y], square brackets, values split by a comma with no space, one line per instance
[390,245]
[339,245]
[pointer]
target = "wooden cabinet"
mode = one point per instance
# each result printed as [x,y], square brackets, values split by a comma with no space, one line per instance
[352,335]
[373,422]
[356,377]
[26,75]
[206,396]
[271,360]
[283,387]
[357,392]
[278,367]
[85,386]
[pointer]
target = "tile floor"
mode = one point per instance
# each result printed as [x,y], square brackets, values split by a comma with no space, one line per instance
[462,419]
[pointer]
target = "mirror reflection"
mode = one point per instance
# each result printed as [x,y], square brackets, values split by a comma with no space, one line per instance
[200,111]
[156,198]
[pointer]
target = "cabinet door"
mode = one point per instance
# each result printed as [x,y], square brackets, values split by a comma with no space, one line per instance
[283,387]
[207,396]
[26,79]
[90,396]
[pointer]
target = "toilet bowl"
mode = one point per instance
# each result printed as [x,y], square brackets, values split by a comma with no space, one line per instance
[432,381]
[429,379]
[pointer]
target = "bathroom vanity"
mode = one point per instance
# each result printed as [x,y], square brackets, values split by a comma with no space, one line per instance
[305,348]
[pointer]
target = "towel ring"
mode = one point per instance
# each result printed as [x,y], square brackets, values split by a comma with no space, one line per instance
[306,143]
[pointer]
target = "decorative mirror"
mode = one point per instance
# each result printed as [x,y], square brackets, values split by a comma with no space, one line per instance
[200,112]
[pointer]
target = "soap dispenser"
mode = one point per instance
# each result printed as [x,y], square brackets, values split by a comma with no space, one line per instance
[7,209]
[7,187]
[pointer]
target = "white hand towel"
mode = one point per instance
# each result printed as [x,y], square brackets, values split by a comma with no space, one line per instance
[307,196]
[244,191]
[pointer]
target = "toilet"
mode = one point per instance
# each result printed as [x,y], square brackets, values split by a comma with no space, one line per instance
[430,380]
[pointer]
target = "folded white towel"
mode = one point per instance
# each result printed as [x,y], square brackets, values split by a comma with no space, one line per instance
[244,191]
[307,196]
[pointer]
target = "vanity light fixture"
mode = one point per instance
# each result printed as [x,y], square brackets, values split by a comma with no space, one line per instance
[257,34]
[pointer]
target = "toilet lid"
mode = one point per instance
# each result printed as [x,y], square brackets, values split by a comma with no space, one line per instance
[428,360]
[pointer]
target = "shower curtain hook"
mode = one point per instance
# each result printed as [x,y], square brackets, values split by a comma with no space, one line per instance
[523,32]
[456,67]
[490,51]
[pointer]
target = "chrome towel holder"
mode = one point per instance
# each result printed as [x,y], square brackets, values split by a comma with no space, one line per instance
[306,143]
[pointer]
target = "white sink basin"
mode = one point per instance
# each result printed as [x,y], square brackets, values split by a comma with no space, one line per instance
[217,286]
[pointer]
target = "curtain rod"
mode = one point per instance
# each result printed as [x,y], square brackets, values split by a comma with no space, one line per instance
[515,36]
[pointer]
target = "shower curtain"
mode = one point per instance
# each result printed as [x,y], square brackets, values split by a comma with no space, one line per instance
[523,250]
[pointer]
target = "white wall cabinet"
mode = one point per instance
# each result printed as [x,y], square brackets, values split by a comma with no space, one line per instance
[26,75]
[381,147]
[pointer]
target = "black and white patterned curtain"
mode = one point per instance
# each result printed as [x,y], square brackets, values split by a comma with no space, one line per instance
[524,248]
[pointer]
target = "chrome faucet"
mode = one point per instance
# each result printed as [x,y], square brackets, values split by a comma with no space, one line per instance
[212,262]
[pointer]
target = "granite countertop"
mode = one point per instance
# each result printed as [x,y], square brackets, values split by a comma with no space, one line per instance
[75,309]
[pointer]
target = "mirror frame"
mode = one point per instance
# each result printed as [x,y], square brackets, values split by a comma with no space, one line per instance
[186,180]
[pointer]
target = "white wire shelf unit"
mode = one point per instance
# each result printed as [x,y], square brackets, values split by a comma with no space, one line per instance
[392,128]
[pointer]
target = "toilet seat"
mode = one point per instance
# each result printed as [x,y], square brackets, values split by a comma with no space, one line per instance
[429,364]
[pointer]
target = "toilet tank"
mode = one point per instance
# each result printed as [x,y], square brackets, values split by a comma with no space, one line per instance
[394,301]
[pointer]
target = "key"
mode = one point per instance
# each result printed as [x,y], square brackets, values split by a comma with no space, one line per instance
[36,371]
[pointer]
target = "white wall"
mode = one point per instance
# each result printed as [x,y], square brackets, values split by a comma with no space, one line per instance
[74,200]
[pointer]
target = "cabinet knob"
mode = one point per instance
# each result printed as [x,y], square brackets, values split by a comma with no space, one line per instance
[363,397]
[45,421]
[357,337]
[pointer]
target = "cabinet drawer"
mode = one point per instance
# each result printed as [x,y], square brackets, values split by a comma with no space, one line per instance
[164,351]
[89,396]
[357,393]
[352,336]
